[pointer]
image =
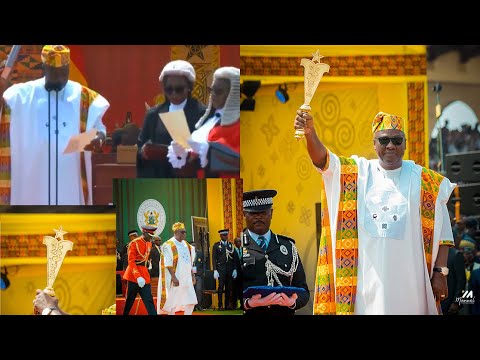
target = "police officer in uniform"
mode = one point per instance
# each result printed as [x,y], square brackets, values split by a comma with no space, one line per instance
[137,276]
[269,260]
[222,258]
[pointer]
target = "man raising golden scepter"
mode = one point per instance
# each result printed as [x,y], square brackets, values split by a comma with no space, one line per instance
[45,302]
[314,71]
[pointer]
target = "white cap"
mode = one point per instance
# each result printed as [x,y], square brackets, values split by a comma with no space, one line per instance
[179,67]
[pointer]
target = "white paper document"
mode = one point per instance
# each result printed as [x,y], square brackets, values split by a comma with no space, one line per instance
[79,141]
[176,124]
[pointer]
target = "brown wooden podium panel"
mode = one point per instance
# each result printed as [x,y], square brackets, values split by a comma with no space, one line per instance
[103,176]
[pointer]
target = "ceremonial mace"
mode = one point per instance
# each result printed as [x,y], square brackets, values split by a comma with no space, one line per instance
[313,72]
[57,248]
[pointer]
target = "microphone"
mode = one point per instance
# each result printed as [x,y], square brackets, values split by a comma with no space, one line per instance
[56,148]
[49,87]
[48,129]
[53,86]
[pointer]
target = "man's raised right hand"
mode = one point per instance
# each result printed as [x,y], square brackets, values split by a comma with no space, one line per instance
[303,121]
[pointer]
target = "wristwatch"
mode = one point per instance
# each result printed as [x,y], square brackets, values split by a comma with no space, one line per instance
[48,311]
[442,270]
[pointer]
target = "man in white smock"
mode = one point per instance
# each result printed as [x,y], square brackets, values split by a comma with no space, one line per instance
[176,291]
[34,115]
[385,227]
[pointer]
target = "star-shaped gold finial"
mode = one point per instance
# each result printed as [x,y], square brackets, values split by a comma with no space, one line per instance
[59,233]
[317,57]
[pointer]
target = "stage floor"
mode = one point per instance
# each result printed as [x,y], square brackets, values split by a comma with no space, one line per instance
[139,309]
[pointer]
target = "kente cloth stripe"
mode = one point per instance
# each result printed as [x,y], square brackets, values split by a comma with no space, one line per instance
[86,99]
[430,186]
[257,202]
[175,261]
[340,300]
[239,206]
[163,296]
[324,300]
[227,203]
[346,252]
[5,158]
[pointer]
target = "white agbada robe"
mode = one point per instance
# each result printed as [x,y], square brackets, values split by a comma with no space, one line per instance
[29,142]
[392,273]
[177,297]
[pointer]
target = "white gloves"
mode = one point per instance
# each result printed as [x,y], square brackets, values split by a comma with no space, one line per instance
[177,148]
[216,275]
[201,148]
[141,281]
[234,274]
[177,155]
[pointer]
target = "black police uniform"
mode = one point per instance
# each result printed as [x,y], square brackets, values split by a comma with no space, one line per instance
[254,271]
[200,277]
[237,286]
[224,266]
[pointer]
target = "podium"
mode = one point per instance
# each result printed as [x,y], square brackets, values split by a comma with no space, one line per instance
[104,169]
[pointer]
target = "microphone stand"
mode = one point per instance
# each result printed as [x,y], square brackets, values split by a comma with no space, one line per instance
[49,89]
[56,148]
[48,127]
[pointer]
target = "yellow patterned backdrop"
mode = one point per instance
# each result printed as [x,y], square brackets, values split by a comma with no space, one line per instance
[85,283]
[343,108]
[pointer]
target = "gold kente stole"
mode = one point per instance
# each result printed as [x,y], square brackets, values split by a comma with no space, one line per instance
[5,159]
[87,97]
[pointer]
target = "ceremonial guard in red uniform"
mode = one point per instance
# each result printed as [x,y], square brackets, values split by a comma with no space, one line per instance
[136,274]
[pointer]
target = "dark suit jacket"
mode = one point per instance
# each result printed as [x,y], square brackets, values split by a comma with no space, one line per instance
[154,130]
[237,261]
[155,258]
[475,287]
[456,278]
[254,259]
[200,263]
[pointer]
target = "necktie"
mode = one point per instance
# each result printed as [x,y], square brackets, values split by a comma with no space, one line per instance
[263,243]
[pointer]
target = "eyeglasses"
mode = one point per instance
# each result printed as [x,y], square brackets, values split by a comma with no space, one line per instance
[183,232]
[217,91]
[385,140]
[178,89]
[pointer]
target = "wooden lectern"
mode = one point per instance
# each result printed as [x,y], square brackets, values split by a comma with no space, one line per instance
[104,169]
